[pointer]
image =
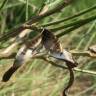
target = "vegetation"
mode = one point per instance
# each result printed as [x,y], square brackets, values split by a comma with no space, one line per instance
[75,27]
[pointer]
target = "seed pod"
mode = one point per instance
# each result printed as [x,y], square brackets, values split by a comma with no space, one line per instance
[25,53]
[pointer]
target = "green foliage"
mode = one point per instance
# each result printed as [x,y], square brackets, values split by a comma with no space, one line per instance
[38,78]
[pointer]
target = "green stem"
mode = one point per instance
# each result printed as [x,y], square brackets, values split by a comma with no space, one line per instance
[63,67]
[76,24]
[71,17]
[60,5]
[26,18]
[4,2]
[85,71]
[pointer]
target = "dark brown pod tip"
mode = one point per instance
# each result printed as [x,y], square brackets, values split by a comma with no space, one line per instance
[8,74]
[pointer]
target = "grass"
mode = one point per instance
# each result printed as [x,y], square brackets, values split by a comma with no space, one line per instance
[39,78]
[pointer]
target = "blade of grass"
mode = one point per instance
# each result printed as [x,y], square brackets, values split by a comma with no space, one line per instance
[71,17]
[79,24]
[26,17]
[3,4]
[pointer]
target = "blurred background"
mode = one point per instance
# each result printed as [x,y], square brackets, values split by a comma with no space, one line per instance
[38,78]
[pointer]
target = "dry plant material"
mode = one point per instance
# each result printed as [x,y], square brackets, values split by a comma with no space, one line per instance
[52,44]
[92,48]
[16,31]
[25,53]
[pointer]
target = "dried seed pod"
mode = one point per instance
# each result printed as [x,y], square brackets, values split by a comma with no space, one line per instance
[25,53]
[51,43]
[92,48]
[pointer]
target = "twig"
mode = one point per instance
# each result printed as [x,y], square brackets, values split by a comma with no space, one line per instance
[49,61]
[87,53]
[8,56]
[7,53]
[78,23]
[74,27]
[59,6]
[23,31]
[26,10]
[11,56]
[71,17]
[4,2]
[85,71]
[63,67]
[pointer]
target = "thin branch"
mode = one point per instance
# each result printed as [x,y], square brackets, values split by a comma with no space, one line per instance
[2,5]
[4,54]
[71,17]
[76,23]
[59,6]
[43,57]
[26,18]
[79,24]
[73,25]
[23,31]
[49,61]
[63,67]
[85,71]
[87,53]
[8,56]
